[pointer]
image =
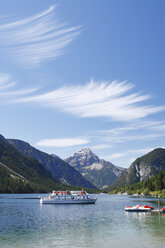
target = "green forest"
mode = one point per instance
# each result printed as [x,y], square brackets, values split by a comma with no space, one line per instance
[14,184]
[152,186]
[21,174]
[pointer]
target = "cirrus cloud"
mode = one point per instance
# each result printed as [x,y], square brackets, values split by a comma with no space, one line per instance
[62,142]
[37,38]
[111,100]
[6,89]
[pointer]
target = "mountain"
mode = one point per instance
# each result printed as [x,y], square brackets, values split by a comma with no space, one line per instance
[55,156]
[59,169]
[20,174]
[97,171]
[143,168]
[155,185]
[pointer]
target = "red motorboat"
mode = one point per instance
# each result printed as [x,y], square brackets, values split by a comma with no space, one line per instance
[163,210]
[138,208]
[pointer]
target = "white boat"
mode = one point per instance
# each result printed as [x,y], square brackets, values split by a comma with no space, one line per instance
[138,208]
[68,197]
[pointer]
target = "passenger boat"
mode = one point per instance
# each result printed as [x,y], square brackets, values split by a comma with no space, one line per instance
[138,208]
[68,197]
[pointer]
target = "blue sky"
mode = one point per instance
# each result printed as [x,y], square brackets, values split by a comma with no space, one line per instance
[77,74]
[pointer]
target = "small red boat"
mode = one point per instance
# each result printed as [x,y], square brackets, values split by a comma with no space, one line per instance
[138,208]
[163,210]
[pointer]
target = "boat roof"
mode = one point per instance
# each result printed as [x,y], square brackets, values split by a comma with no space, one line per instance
[67,191]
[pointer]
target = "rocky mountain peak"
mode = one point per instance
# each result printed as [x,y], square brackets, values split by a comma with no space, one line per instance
[85,150]
[98,171]
[60,170]
[84,157]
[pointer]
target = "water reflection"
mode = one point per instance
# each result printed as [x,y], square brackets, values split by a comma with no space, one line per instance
[150,223]
[26,223]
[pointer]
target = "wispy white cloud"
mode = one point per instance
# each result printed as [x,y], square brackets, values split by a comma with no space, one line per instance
[159,127]
[135,125]
[135,133]
[127,138]
[65,142]
[100,146]
[5,82]
[37,38]
[6,89]
[134,153]
[98,99]
[138,130]
[115,156]
[140,151]
[111,100]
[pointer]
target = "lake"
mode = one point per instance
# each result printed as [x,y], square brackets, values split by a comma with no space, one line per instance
[24,223]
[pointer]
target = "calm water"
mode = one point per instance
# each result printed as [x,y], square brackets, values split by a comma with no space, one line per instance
[24,223]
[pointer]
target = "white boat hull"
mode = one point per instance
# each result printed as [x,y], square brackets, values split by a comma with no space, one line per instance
[136,209]
[68,201]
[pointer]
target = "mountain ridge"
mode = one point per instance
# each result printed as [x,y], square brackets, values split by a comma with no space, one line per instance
[143,168]
[99,172]
[59,169]
[20,174]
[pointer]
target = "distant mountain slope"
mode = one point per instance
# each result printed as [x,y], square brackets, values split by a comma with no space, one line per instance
[12,172]
[143,168]
[155,185]
[98,171]
[60,170]
[19,173]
